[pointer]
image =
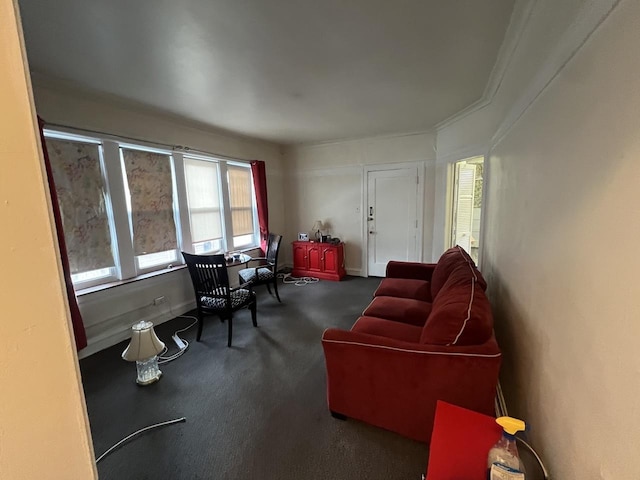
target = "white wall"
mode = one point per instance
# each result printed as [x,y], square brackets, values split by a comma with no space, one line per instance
[109,314]
[560,246]
[325,182]
[44,430]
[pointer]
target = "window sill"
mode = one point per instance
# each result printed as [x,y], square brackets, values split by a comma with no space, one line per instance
[106,286]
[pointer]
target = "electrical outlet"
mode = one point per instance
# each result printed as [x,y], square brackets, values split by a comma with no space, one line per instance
[159,300]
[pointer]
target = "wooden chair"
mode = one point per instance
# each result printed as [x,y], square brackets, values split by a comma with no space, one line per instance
[266,272]
[213,293]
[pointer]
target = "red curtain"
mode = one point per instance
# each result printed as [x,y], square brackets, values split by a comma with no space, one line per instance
[259,175]
[76,319]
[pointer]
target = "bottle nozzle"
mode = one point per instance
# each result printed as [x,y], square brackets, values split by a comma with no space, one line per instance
[511,425]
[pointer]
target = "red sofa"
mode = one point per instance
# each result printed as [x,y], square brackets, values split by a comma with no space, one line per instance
[426,336]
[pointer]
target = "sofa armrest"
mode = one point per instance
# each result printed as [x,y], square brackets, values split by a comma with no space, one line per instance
[395,384]
[414,270]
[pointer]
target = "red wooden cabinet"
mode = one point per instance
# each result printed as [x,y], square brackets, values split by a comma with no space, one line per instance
[320,260]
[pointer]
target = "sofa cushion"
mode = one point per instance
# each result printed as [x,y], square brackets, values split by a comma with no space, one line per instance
[461,275]
[388,328]
[481,281]
[461,315]
[449,260]
[404,288]
[406,310]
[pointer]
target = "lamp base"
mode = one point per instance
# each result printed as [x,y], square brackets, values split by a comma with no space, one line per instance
[148,371]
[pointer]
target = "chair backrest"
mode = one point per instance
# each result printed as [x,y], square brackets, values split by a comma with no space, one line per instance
[273,247]
[208,274]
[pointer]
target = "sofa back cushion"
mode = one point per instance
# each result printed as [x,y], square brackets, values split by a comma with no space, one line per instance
[449,260]
[460,315]
[481,281]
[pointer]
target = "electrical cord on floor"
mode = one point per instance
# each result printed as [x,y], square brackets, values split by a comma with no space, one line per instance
[180,342]
[128,437]
[297,281]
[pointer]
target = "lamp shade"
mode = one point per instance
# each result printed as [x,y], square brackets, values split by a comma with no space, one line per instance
[317,226]
[144,343]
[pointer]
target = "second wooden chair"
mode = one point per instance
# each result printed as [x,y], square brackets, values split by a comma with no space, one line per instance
[266,272]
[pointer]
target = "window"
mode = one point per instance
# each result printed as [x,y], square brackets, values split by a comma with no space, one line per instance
[149,182]
[241,200]
[203,195]
[80,186]
[467,205]
[130,209]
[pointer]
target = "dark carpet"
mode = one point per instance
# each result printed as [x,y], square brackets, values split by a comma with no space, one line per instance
[255,410]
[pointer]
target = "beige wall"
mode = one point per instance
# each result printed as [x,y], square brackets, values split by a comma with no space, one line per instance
[325,182]
[561,258]
[43,423]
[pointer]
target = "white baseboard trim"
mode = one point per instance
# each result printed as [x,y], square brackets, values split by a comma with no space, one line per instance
[120,332]
[354,272]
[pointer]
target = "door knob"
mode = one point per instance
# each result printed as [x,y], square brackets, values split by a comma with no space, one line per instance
[371,232]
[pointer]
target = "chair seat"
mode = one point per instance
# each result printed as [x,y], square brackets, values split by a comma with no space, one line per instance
[238,297]
[249,274]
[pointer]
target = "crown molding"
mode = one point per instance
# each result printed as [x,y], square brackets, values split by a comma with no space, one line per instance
[469,151]
[519,20]
[590,17]
[338,141]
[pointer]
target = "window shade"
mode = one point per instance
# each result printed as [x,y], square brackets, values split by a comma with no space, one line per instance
[81,195]
[151,189]
[203,195]
[241,201]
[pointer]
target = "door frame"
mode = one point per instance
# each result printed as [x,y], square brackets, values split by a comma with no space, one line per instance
[419,166]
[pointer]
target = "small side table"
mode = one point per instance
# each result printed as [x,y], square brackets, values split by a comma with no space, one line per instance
[460,443]
[242,259]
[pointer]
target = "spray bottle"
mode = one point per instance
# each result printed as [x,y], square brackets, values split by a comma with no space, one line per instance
[503,462]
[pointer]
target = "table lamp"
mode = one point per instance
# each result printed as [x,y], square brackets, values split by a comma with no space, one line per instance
[143,349]
[316,228]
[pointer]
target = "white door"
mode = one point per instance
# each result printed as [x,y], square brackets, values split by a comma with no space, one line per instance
[391,217]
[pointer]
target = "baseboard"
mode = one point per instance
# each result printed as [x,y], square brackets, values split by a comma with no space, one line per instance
[120,333]
[354,272]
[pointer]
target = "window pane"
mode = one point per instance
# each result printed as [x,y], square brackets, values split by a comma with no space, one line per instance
[212,246]
[82,198]
[243,241]
[241,200]
[158,258]
[203,196]
[151,190]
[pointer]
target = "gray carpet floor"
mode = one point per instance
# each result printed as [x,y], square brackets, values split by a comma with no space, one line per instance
[255,410]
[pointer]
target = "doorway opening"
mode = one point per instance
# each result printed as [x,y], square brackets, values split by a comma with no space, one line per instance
[468,181]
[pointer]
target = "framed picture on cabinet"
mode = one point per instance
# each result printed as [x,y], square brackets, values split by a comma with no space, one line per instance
[303,237]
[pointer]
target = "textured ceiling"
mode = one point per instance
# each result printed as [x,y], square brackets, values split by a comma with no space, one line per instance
[288,71]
